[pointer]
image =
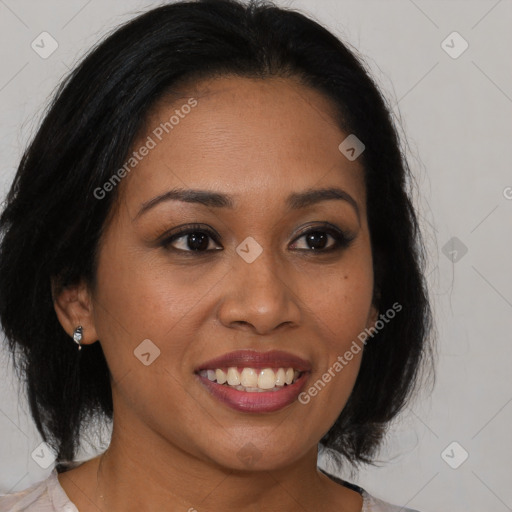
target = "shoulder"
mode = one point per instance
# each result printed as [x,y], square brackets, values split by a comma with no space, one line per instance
[370,503]
[43,496]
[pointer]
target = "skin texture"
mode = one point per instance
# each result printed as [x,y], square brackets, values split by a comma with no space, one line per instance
[174,446]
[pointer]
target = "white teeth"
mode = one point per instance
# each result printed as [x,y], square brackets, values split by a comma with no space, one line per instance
[248,378]
[221,376]
[266,379]
[253,380]
[233,377]
[250,390]
[280,377]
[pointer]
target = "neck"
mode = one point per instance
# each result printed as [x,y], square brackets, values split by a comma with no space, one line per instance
[129,477]
[143,471]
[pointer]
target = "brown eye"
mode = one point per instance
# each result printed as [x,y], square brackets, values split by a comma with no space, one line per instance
[317,239]
[193,239]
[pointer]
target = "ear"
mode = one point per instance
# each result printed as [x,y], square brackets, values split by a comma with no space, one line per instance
[73,306]
[372,317]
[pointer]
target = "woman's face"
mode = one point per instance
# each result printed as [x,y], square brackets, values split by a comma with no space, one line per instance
[256,280]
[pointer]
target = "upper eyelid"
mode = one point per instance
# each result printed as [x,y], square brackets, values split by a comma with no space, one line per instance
[186,229]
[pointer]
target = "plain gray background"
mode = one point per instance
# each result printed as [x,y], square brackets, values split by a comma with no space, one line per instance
[456,114]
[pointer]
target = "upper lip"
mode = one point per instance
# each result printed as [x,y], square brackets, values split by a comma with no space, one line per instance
[254,359]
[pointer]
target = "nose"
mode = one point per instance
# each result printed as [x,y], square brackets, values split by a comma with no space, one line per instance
[259,297]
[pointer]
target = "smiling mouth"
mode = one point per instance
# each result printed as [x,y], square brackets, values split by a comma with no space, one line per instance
[252,380]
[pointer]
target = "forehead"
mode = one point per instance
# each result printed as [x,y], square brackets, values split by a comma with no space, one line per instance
[245,137]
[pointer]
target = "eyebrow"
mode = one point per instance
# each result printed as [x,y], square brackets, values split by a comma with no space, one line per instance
[295,201]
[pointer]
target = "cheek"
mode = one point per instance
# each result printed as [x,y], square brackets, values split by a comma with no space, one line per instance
[341,313]
[341,301]
[143,296]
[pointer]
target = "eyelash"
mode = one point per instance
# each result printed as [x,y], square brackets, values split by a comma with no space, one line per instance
[342,240]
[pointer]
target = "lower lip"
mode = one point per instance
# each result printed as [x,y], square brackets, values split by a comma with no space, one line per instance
[265,401]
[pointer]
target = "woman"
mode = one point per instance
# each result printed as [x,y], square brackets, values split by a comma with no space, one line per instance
[210,242]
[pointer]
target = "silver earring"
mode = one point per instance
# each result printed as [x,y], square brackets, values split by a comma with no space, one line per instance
[77,336]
